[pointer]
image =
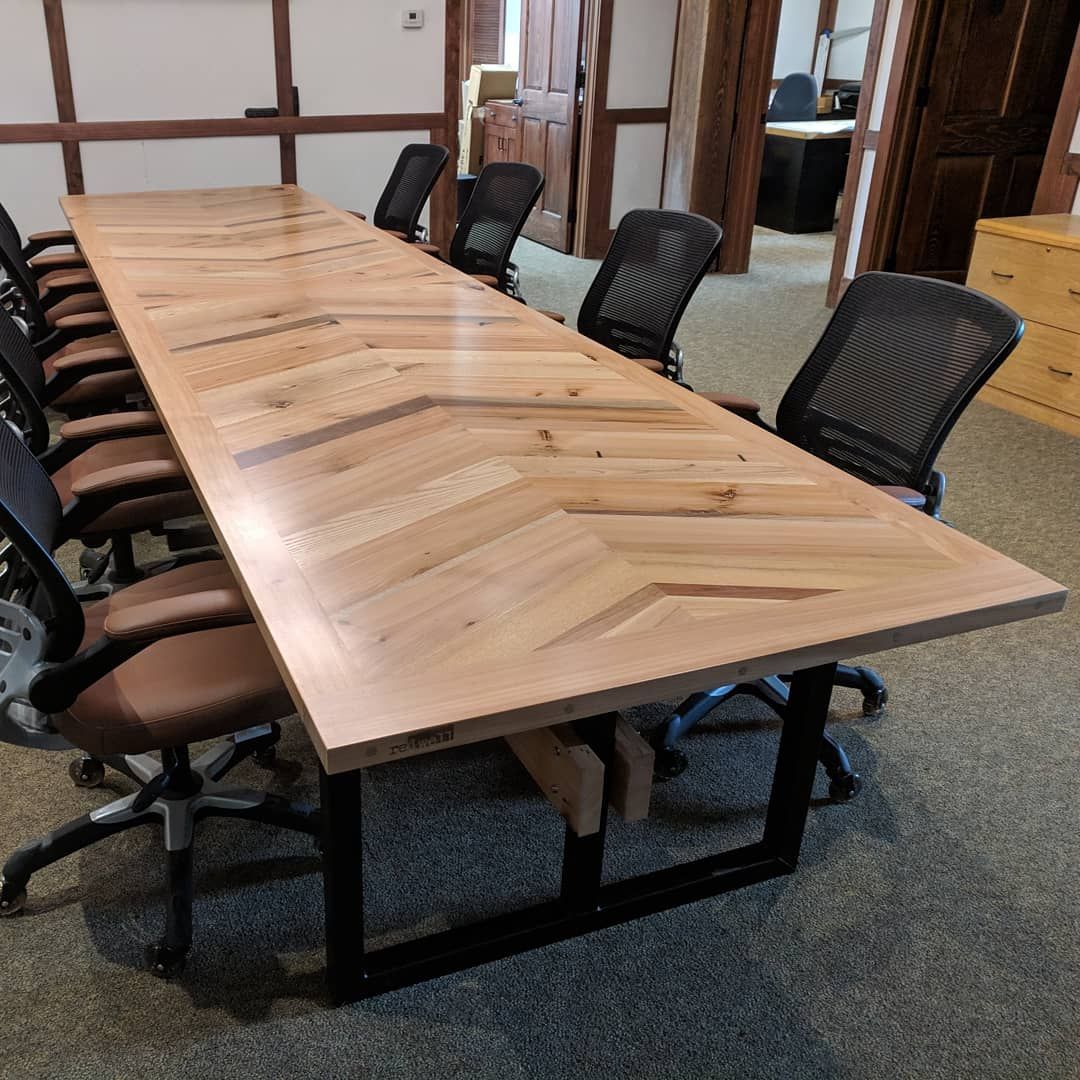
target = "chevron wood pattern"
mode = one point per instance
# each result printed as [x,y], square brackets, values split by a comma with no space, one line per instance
[456,519]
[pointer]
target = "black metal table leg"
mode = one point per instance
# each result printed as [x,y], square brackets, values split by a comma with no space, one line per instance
[343,881]
[796,761]
[583,856]
[584,902]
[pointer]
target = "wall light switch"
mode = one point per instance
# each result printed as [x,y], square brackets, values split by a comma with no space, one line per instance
[412,18]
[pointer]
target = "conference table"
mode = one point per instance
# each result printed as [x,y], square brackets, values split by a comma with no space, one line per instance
[456,520]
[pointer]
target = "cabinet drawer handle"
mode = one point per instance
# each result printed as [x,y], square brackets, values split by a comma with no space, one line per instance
[998,273]
[1059,371]
[1074,292]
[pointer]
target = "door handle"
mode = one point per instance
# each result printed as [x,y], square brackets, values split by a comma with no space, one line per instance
[998,273]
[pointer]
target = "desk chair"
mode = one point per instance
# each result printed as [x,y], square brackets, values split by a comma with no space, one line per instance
[79,343]
[505,193]
[403,199]
[114,679]
[115,475]
[652,268]
[795,98]
[39,242]
[897,364]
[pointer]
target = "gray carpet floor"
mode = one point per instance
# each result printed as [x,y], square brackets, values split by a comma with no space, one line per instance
[933,929]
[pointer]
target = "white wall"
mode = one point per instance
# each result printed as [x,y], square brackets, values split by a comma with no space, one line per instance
[795,44]
[846,58]
[639,77]
[26,86]
[642,45]
[31,180]
[512,34]
[354,56]
[1074,148]
[169,59]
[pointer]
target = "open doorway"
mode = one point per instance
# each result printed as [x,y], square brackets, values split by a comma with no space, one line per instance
[813,110]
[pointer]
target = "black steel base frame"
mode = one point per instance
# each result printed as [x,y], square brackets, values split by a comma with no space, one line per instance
[583,903]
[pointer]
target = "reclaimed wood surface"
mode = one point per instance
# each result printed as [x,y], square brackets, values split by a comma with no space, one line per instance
[455,519]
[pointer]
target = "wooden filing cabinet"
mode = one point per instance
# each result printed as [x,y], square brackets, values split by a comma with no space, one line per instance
[1033,265]
[502,131]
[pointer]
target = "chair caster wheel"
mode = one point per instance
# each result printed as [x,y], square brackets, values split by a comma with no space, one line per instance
[167,961]
[874,702]
[845,788]
[669,763]
[12,901]
[86,772]
[266,758]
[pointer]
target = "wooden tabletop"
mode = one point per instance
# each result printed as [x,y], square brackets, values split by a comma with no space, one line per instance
[811,129]
[455,519]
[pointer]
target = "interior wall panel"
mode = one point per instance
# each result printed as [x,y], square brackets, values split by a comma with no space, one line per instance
[642,44]
[356,57]
[26,85]
[858,218]
[638,171]
[170,59]
[795,44]
[350,169]
[31,183]
[847,57]
[144,165]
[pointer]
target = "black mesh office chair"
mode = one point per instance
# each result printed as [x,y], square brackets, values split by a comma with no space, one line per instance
[897,364]
[652,268]
[114,679]
[795,98]
[501,202]
[40,241]
[418,168]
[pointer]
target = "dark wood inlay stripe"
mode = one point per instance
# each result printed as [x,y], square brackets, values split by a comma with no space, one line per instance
[276,217]
[741,592]
[266,331]
[316,251]
[304,441]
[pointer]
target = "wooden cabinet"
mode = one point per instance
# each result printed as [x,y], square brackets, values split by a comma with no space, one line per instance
[502,127]
[1033,265]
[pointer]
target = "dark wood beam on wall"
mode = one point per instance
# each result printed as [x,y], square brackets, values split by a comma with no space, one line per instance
[1059,177]
[826,20]
[284,78]
[723,71]
[444,197]
[65,97]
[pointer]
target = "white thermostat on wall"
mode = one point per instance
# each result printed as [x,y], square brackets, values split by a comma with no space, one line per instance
[412,18]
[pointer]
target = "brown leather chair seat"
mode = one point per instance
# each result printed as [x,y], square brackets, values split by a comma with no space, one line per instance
[135,514]
[181,689]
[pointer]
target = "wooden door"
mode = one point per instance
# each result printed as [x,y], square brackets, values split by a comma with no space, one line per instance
[550,54]
[993,73]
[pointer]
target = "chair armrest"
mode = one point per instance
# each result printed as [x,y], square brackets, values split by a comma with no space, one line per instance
[57,260]
[743,406]
[651,365]
[77,304]
[66,278]
[39,241]
[429,249]
[158,619]
[358,213]
[96,391]
[555,316]
[108,358]
[906,495]
[486,279]
[149,477]
[112,426]
[85,322]
[397,234]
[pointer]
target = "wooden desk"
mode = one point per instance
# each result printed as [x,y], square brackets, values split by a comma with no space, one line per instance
[455,519]
[802,172]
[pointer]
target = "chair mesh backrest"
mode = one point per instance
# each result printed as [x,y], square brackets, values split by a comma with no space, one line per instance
[22,384]
[418,167]
[656,260]
[900,359]
[17,268]
[505,193]
[8,225]
[30,519]
[795,98]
